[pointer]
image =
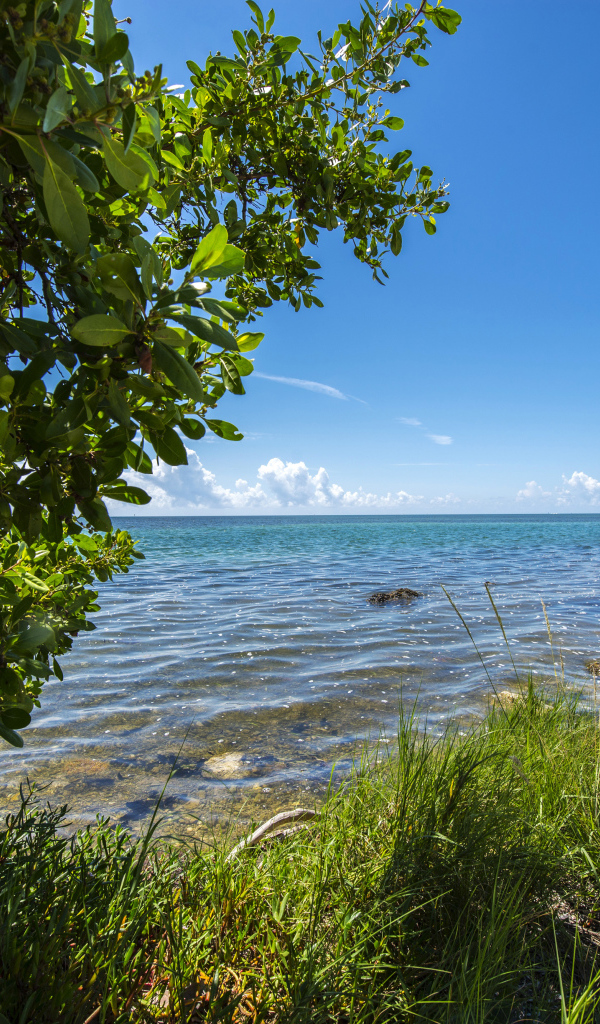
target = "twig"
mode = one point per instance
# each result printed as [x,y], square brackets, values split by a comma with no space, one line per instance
[299,814]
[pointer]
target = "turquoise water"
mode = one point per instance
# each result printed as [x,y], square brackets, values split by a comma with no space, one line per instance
[251,639]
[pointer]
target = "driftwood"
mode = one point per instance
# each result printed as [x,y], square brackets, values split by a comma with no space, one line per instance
[299,814]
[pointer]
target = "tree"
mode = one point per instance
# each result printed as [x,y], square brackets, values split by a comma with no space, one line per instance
[121,203]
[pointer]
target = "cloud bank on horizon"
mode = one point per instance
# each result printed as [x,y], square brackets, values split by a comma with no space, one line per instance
[279,485]
[578,489]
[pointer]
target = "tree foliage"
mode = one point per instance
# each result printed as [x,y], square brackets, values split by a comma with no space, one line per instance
[122,203]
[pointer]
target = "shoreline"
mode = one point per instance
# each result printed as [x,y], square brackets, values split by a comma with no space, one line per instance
[454,876]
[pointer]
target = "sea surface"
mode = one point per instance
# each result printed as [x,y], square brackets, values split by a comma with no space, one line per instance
[243,654]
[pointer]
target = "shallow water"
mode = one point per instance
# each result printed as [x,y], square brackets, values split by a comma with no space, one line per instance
[250,641]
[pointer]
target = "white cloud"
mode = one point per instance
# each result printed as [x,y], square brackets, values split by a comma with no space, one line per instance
[580,486]
[447,499]
[532,492]
[292,483]
[190,487]
[308,385]
[186,489]
[577,490]
[440,438]
[410,421]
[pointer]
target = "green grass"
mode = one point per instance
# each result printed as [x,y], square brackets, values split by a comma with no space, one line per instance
[454,879]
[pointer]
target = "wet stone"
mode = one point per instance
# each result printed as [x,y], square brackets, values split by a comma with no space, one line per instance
[385,596]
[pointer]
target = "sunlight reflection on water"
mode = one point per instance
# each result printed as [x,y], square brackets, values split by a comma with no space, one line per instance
[252,638]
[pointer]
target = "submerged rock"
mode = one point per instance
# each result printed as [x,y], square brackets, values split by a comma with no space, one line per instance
[402,594]
[229,766]
[238,765]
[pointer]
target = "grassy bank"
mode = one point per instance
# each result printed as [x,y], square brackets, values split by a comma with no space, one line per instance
[453,880]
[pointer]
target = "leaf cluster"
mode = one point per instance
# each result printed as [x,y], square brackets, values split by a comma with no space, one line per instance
[122,203]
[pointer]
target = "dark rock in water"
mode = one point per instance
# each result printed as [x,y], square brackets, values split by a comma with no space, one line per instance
[403,594]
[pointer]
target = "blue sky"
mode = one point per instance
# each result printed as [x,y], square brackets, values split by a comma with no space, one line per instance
[470,382]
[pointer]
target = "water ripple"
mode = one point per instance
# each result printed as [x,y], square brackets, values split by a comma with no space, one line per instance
[254,635]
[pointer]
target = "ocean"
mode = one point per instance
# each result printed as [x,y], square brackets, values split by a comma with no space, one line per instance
[244,657]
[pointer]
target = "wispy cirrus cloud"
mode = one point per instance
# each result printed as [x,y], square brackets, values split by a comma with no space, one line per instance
[440,438]
[308,385]
[412,421]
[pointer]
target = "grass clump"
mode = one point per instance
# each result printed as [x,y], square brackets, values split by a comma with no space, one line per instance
[455,879]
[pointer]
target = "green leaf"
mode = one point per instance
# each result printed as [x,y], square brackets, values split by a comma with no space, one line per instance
[17,338]
[244,366]
[169,447]
[290,43]
[210,250]
[104,25]
[100,330]
[395,123]
[138,459]
[96,514]
[445,19]
[396,241]
[4,425]
[14,739]
[228,311]
[248,342]
[118,404]
[260,21]
[7,384]
[84,92]
[152,115]
[38,151]
[119,276]
[133,495]
[172,336]
[172,197]
[225,430]
[231,377]
[420,61]
[18,86]
[128,65]
[179,371]
[282,49]
[206,330]
[429,226]
[193,429]
[143,155]
[147,275]
[15,718]
[232,263]
[66,212]
[115,49]
[192,294]
[57,108]
[129,126]
[128,169]
[32,637]
[85,178]
[172,159]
